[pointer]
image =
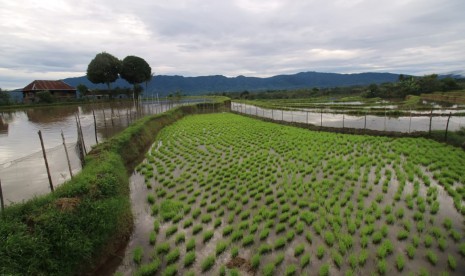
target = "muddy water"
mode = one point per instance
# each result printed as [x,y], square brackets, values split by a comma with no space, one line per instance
[22,168]
[404,124]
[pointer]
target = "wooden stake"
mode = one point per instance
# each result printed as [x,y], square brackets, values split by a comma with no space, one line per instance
[321,118]
[1,196]
[447,126]
[307,117]
[410,121]
[95,127]
[80,132]
[67,155]
[46,162]
[104,119]
[365,126]
[343,118]
[430,121]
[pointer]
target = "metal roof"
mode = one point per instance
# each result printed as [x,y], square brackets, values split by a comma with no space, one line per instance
[41,85]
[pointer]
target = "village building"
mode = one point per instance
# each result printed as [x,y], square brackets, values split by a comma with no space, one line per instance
[59,90]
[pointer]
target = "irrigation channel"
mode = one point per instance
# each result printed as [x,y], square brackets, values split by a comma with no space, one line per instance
[23,173]
[417,121]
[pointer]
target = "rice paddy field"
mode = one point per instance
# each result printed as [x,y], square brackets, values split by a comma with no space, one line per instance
[231,195]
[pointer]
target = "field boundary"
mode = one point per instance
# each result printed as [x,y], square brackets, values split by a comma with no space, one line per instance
[85,221]
[436,135]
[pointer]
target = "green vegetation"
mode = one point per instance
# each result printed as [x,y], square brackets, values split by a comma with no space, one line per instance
[208,263]
[278,190]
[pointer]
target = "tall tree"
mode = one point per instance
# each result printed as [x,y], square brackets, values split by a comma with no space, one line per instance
[135,70]
[104,68]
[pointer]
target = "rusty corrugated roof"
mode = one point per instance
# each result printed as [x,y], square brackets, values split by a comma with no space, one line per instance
[42,85]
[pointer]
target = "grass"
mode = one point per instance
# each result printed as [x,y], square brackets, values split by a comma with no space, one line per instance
[172,256]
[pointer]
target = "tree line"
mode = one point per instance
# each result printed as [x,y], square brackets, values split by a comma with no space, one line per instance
[106,69]
[406,85]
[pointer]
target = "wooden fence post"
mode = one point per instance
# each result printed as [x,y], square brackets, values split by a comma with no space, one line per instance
[447,126]
[321,117]
[67,155]
[307,117]
[430,121]
[1,196]
[343,119]
[365,125]
[410,121]
[46,162]
[95,127]
[80,133]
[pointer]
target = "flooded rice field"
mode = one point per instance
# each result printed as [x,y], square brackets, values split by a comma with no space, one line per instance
[419,122]
[22,169]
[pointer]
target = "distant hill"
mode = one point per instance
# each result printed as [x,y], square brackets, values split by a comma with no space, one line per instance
[164,85]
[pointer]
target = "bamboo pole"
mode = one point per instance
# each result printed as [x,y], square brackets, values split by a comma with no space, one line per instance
[447,126]
[1,196]
[67,155]
[95,127]
[46,162]
[80,133]
[430,121]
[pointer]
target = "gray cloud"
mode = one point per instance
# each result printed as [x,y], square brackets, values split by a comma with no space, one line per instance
[57,38]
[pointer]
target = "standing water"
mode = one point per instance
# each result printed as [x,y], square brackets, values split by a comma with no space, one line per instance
[22,167]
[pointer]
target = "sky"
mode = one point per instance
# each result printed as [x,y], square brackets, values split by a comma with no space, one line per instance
[56,39]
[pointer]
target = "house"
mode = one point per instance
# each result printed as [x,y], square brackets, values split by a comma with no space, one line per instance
[59,89]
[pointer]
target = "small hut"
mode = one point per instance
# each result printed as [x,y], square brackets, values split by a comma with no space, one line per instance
[58,89]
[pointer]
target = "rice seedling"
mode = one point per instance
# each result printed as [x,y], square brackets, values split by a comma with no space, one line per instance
[207,263]
[208,235]
[170,270]
[268,269]
[320,251]
[279,259]
[290,270]
[137,254]
[189,259]
[162,248]
[172,256]
[255,261]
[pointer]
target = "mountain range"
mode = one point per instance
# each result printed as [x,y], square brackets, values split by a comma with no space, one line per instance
[164,85]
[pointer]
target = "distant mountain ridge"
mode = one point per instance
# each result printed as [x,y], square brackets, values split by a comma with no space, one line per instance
[164,85]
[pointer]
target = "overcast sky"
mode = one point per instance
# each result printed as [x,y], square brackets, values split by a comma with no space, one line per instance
[54,39]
